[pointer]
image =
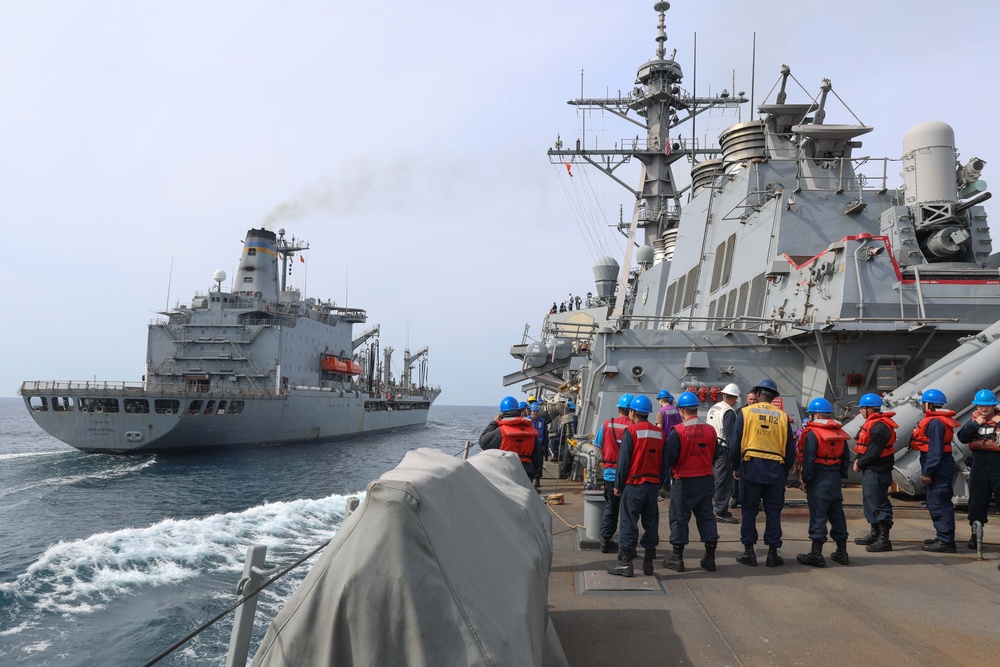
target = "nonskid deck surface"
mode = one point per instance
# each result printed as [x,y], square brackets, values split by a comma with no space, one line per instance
[905,607]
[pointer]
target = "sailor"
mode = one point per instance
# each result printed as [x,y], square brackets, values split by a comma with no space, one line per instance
[875,450]
[984,479]
[541,442]
[523,407]
[567,429]
[721,417]
[692,448]
[641,467]
[824,459]
[932,438]
[554,309]
[666,418]
[511,432]
[762,454]
[735,501]
[609,440]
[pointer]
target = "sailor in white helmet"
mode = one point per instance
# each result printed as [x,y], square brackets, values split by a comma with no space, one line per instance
[722,416]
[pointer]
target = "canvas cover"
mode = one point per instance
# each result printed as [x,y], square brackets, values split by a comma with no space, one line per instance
[446,562]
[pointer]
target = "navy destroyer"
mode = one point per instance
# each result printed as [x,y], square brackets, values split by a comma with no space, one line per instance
[257,365]
[782,251]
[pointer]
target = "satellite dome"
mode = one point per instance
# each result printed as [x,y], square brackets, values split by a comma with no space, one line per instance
[219,276]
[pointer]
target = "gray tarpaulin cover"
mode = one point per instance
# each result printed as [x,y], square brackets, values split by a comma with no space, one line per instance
[446,562]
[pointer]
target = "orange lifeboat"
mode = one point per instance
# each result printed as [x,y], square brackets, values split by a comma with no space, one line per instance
[334,365]
[353,368]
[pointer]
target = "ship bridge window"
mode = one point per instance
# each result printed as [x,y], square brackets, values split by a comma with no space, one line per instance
[164,406]
[62,403]
[139,406]
[39,403]
[194,407]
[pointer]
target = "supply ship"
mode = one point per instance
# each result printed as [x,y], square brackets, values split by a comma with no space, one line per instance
[257,365]
[782,251]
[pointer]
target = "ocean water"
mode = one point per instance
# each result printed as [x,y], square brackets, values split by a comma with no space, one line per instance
[108,560]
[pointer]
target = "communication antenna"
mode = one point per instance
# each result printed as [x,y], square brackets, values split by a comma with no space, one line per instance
[170,277]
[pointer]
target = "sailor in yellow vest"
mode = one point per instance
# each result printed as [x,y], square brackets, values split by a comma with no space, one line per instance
[763,451]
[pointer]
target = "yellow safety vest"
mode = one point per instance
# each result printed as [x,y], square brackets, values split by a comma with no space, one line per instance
[765,432]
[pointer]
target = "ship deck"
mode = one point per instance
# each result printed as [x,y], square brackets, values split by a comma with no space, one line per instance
[905,607]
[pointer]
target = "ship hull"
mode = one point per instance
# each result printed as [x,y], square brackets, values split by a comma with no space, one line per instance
[204,421]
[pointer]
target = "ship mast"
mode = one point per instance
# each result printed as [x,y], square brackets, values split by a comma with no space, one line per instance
[661,105]
[287,250]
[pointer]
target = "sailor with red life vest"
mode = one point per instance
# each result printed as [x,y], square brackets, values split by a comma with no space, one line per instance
[824,458]
[692,448]
[511,432]
[875,450]
[932,438]
[608,440]
[984,479]
[641,468]
[666,418]
[763,451]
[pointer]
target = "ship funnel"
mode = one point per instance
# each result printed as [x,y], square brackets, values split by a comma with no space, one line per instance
[929,164]
[605,277]
[258,272]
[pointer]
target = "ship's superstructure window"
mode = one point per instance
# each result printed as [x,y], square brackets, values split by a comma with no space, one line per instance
[210,407]
[247,279]
[164,406]
[251,251]
[721,311]
[39,403]
[678,294]
[757,291]
[741,305]
[711,312]
[720,258]
[731,305]
[690,287]
[194,407]
[236,407]
[727,267]
[136,406]
[62,403]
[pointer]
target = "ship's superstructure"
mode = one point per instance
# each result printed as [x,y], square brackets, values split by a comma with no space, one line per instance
[257,365]
[791,255]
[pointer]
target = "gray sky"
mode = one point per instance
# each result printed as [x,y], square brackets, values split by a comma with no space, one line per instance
[404,140]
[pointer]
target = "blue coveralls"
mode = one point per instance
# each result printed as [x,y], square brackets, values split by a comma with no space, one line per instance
[876,477]
[824,492]
[940,467]
[638,502]
[541,425]
[690,495]
[761,480]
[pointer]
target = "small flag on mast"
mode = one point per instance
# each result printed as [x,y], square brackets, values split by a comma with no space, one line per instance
[568,170]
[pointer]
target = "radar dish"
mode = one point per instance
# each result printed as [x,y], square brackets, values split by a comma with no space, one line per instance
[219,276]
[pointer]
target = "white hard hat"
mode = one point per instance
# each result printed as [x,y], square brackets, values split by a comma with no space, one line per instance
[732,390]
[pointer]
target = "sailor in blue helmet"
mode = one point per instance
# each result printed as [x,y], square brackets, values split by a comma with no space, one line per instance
[567,430]
[641,467]
[875,449]
[763,452]
[824,458]
[511,432]
[542,441]
[692,448]
[932,438]
[609,440]
[984,479]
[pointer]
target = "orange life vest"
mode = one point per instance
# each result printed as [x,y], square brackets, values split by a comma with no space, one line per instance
[698,442]
[647,453]
[865,436]
[986,439]
[919,440]
[518,435]
[830,441]
[611,439]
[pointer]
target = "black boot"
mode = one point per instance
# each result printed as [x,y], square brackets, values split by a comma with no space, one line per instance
[708,561]
[972,543]
[675,561]
[748,557]
[882,543]
[869,538]
[608,545]
[940,547]
[647,561]
[623,568]
[773,559]
[814,557]
[840,555]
